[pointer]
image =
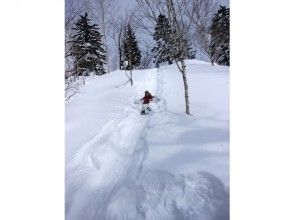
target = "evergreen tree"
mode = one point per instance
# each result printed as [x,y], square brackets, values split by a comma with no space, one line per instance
[162,36]
[87,48]
[220,37]
[131,51]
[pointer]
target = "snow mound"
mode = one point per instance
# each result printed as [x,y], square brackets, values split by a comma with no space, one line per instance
[161,195]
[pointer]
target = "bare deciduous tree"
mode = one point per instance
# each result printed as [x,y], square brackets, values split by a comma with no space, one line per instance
[118,28]
[103,13]
[181,23]
[200,12]
[180,52]
[147,57]
[147,11]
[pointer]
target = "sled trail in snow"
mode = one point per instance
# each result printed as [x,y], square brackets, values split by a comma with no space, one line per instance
[166,165]
[110,160]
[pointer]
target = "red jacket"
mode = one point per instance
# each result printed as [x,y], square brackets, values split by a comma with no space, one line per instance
[147,98]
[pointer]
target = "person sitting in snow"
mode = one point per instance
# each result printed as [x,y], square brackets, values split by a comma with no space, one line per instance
[145,101]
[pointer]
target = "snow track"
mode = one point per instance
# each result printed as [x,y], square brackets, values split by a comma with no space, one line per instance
[113,158]
[167,165]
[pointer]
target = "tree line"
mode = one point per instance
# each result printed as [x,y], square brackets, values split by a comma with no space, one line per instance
[178,29]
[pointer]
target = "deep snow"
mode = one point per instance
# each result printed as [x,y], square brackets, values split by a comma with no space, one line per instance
[167,165]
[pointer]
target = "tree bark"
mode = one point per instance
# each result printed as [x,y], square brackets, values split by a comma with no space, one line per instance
[119,50]
[186,89]
[131,78]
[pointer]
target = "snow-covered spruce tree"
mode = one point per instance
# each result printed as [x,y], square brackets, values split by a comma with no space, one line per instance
[220,37]
[162,50]
[87,48]
[165,48]
[131,52]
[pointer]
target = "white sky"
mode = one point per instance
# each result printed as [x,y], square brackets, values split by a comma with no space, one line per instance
[126,3]
[130,3]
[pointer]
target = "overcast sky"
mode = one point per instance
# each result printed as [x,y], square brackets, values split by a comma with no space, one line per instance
[130,3]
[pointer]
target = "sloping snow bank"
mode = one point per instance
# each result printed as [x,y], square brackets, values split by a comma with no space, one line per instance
[161,195]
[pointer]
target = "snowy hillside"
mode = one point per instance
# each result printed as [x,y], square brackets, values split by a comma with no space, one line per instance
[167,165]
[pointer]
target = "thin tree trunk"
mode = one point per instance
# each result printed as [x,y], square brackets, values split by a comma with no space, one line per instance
[131,79]
[119,53]
[174,23]
[107,56]
[119,48]
[185,86]
[106,46]
[105,42]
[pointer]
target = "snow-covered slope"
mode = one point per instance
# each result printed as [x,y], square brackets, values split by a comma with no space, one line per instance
[167,165]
